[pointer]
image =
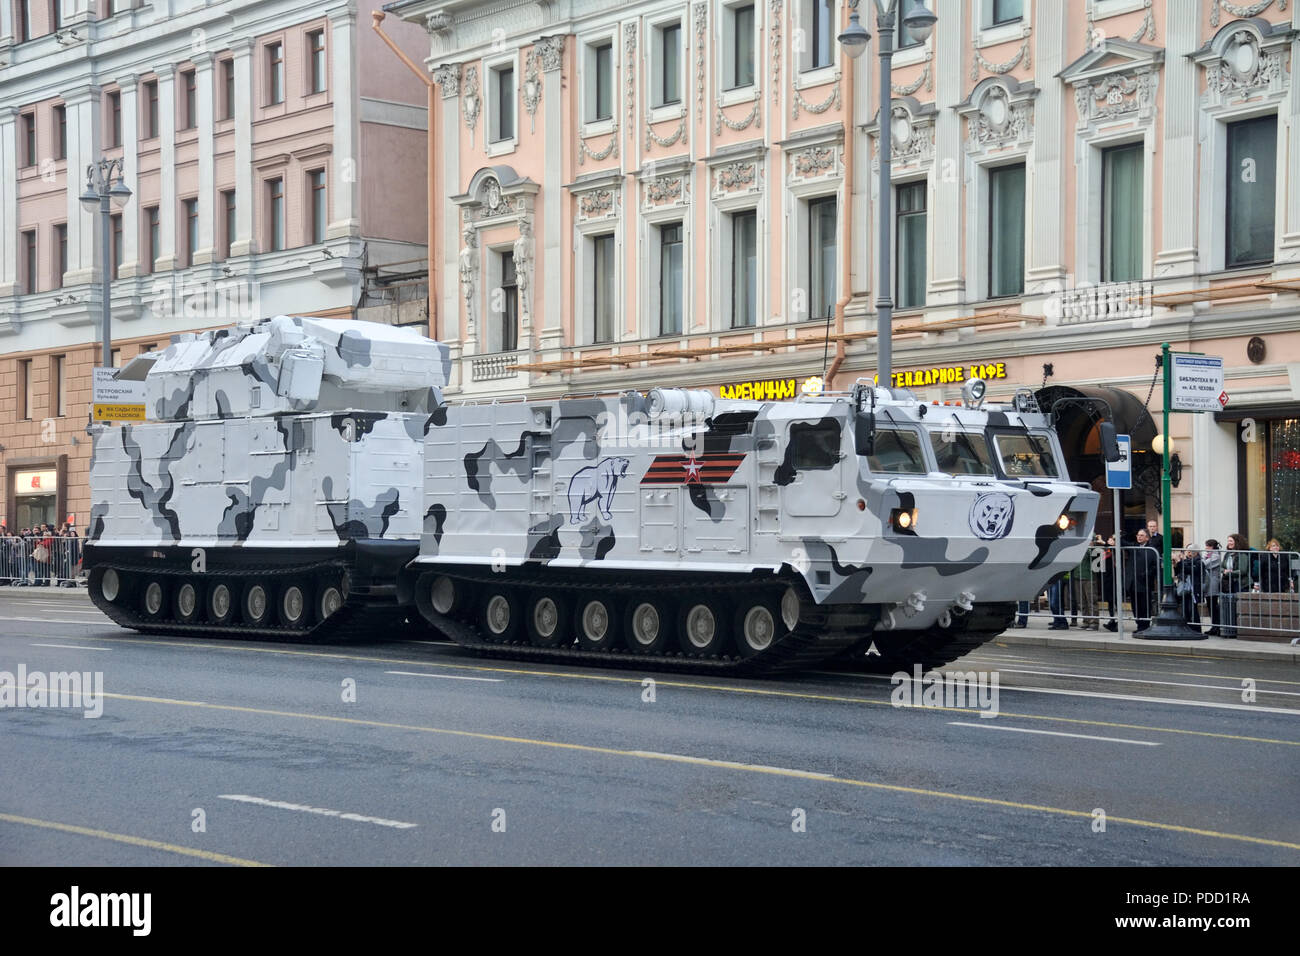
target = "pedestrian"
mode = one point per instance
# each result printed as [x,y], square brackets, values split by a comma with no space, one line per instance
[1275,569]
[1110,584]
[1141,575]
[1022,614]
[1189,571]
[1236,579]
[1154,538]
[1212,563]
[72,552]
[1083,593]
[43,555]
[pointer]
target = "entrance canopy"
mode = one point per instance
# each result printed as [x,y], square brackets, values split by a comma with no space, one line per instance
[1077,417]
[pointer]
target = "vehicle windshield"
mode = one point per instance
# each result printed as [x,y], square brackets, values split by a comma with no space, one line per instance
[898,452]
[1026,456]
[961,453]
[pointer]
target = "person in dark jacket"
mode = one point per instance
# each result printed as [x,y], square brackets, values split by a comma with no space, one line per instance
[1189,572]
[1141,577]
[1236,579]
[1109,584]
[1275,569]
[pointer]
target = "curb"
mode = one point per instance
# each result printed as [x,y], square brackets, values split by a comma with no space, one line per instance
[1211,648]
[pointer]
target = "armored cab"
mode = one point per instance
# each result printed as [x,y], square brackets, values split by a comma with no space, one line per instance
[741,535]
[277,487]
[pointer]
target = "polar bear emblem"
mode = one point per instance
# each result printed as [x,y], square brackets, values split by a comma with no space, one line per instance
[595,483]
[991,515]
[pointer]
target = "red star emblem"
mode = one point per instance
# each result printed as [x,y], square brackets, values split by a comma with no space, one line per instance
[692,469]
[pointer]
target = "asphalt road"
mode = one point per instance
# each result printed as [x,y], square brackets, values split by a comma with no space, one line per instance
[444,758]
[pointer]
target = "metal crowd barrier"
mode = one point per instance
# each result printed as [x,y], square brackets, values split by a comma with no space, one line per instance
[36,561]
[1250,595]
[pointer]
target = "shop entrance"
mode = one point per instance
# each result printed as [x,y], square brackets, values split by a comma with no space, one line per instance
[33,510]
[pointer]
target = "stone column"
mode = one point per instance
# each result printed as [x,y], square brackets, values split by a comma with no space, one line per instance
[130,213]
[1045,237]
[166,260]
[551,52]
[204,100]
[1289,181]
[947,270]
[344,190]
[1177,255]
[8,199]
[84,148]
[243,241]
[447,77]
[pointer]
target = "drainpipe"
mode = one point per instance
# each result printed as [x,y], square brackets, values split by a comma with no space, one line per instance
[846,263]
[377,16]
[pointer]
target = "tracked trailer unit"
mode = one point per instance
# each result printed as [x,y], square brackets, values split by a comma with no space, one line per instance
[276,490]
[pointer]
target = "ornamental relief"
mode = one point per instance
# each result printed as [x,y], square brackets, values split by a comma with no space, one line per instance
[597,204]
[665,191]
[1117,97]
[736,178]
[815,162]
[999,119]
[1244,70]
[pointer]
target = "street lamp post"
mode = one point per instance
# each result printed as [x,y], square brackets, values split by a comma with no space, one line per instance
[919,21]
[105,191]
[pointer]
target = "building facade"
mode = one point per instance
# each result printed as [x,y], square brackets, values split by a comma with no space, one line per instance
[652,192]
[275,152]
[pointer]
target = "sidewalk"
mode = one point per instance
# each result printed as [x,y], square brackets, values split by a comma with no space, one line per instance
[1037,633]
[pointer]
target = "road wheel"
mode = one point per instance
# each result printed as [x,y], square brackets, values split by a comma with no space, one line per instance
[649,625]
[596,623]
[447,596]
[329,602]
[110,585]
[153,599]
[256,605]
[760,622]
[293,606]
[548,620]
[221,603]
[186,605]
[499,615]
[702,629]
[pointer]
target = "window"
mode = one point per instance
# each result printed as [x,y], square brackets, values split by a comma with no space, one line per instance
[603,276]
[316,193]
[1006,231]
[1006,11]
[60,132]
[115,358]
[114,119]
[56,14]
[739,67]
[316,61]
[821,257]
[151,235]
[189,103]
[274,73]
[228,220]
[670,279]
[1252,185]
[600,83]
[25,389]
[228,89]
[897,452]
[1026,456]
[910,241]
[668,89]
[58,383]
[29,262]
[27,128]
[1122,213]
[60,253]
[23,10]
[190,213]
[115,231]
[275,214]
[814,446]
[507,333]
[819,22]
[151,109]
[744,269]
[961,453]
[503,104]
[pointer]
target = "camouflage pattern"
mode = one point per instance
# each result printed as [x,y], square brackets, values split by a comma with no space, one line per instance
[757,486]
[287,433]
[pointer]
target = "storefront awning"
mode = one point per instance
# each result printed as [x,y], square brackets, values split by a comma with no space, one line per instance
[1076,423]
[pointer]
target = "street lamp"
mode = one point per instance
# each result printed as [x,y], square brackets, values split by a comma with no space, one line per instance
[105,190]
[920,22]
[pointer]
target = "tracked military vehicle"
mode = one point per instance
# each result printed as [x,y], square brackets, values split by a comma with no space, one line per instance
[741,536]
[276,490]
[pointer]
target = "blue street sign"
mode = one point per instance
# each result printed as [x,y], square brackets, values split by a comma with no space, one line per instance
[1119,474]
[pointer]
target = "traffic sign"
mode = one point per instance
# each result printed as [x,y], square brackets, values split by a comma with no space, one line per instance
[1223,399]
[116,400]
[1196,382]
[1119,474]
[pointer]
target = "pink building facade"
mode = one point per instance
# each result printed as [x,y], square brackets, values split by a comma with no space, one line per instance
[276,156]
[634,194]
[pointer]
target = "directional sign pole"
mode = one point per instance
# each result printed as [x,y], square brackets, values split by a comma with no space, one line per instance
[1168,624]
[1119,480]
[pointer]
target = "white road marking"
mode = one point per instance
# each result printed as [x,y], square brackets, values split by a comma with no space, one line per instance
[54,620]
[1053,733]
[731,764]
[74,647]
[1138,680]
[435,643]
[486,680]
[303,808]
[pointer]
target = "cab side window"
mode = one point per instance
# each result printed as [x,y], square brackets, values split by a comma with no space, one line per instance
[814,446]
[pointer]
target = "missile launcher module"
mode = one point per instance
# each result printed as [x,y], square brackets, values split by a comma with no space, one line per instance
[276,488]
[742,535]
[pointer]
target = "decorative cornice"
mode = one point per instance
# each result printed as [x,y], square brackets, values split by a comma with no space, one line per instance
[551,51]
[447,77]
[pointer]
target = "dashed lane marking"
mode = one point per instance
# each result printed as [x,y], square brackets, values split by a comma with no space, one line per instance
[489,680]
[74,647]
[1052,733]
[320,811]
